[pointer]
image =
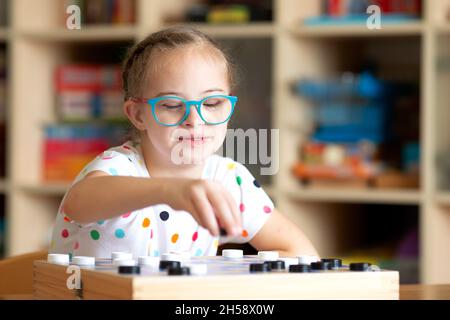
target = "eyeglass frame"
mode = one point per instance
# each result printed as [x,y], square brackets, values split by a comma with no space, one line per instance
[188,103]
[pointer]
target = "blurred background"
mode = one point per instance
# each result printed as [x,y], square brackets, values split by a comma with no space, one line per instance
[363,115]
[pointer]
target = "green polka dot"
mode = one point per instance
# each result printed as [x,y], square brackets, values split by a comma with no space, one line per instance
[95,235]
[238,180]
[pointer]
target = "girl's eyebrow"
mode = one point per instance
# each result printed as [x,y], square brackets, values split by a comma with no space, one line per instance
[171,93]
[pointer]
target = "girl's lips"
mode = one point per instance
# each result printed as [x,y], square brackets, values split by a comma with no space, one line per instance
[195,140]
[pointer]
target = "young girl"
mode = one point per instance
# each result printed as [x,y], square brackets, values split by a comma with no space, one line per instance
[166,190]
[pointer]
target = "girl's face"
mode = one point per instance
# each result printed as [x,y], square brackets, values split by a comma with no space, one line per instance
[191,73]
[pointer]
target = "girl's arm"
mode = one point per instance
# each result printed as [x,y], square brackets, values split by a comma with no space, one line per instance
[100,196]
[282,235]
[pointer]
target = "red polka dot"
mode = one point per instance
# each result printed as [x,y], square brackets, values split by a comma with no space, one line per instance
[76,245]
[242,207]
[126,215]
[126,147]
[195,236]
[65,233]
[151,234]
[267,209]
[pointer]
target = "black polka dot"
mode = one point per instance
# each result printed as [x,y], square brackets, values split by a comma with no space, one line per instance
[256,183]
[164,215]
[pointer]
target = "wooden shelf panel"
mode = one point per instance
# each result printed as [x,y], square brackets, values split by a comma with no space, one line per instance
[253,30]
[443,29]
[90,33]
[443,198]
[49,189]
[4,34]
[409,29]
[4,186]
[394,196]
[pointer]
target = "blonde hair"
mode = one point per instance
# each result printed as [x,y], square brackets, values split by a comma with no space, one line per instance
[138,59]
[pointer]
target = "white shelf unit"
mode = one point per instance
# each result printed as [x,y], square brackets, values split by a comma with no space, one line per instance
[37,42]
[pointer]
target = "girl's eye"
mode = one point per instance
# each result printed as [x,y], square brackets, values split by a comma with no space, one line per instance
[212,103]
[172,106]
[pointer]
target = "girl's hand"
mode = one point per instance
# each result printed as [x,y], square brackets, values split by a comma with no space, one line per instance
[209,203]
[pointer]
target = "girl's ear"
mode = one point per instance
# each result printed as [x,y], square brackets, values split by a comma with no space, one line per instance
[135,114]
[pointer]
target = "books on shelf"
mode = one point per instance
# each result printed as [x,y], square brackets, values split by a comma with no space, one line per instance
[87,92]
[69,147]
[335,12]
[114,12]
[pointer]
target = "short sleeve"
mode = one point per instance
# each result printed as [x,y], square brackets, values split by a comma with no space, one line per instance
[112,162]
[254,204]
[117,161]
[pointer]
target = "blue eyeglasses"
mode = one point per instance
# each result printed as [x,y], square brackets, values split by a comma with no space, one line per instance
[172,110]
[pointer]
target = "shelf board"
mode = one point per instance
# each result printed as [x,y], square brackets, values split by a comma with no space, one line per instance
[50,189]
[89,33]
[388,196]
[254,29]
[405,29]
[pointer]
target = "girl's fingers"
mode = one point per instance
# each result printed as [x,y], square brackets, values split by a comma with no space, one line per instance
[205,213]
[234,210]
[222,210]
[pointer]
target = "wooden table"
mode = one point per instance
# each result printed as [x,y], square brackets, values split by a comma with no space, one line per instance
[425,292]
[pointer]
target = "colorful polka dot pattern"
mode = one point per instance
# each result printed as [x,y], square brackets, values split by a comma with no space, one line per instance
[164,216]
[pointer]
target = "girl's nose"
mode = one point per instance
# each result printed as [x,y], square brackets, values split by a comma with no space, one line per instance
[193,118]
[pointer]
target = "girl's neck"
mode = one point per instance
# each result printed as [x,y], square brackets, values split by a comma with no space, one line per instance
[159,167]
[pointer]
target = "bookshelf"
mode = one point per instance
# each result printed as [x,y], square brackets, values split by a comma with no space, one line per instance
[36,41]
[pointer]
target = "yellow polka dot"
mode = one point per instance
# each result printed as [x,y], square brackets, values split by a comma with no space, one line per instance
[146,223]
[231,166]
[175,238]
[216,243]
[52,244]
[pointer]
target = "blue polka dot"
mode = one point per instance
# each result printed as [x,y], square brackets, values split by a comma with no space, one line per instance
[198,252]
[113,171]
[100,222]
[156,253]
[119,233]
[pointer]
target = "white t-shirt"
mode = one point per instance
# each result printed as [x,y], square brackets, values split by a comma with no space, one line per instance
[159,229]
